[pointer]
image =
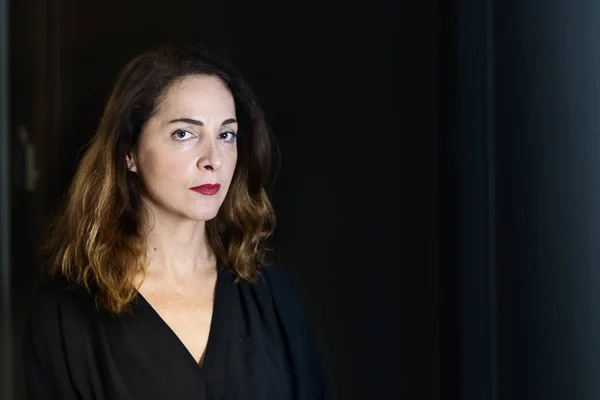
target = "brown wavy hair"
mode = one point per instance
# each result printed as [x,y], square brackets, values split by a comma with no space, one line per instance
[96,239]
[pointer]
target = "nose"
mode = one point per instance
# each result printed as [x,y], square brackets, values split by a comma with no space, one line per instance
[211,159]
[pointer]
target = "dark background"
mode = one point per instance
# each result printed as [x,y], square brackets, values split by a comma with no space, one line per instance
[351,93]
[438,197]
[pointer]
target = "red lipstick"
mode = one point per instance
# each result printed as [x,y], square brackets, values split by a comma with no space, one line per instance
[207,189]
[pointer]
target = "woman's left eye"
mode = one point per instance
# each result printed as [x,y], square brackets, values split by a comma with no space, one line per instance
[228,137]
[181,135]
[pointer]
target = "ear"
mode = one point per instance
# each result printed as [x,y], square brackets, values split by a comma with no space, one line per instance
[130,160]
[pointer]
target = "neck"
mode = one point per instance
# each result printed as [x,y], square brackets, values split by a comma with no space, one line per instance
[178,247]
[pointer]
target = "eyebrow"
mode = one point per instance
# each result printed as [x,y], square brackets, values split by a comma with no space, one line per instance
[200,123]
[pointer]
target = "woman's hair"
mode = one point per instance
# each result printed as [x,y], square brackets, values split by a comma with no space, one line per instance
[96,239]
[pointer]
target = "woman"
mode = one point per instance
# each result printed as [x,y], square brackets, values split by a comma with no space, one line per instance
[158,288]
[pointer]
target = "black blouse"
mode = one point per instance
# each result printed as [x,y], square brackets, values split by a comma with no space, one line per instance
[259,347]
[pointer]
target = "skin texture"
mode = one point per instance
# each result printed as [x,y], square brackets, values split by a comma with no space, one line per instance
[170,159]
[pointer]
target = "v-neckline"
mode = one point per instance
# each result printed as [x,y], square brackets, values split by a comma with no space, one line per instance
[214,329]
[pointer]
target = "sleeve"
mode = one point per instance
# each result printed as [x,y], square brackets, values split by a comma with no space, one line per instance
[46,370]
[312,383]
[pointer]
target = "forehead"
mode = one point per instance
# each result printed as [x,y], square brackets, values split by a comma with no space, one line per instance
[197,96]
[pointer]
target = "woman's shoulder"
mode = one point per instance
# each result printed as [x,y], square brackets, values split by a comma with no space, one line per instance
[56,299]
[59,290]
[285,293]
[278,280]
[277,277]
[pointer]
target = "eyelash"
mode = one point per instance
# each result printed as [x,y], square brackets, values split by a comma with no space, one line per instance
[174,136]
[233,136]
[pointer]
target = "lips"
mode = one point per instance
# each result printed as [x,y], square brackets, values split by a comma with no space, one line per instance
[208,189]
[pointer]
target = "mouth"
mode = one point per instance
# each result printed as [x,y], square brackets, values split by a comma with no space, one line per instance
[207,190]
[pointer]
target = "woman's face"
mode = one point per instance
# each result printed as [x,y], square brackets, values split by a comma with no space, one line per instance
[190,141]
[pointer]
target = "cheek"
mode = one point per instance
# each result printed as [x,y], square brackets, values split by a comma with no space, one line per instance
[232,162]
[161,168]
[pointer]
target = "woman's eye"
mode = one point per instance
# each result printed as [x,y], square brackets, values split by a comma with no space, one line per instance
[228,137]
[181,135]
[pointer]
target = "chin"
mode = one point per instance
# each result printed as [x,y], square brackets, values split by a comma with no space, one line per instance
[206,215]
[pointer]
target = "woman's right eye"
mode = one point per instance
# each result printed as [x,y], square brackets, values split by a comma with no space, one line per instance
[181,135]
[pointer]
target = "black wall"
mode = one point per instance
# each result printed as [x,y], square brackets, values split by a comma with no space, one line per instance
[548,137]
[528,216]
